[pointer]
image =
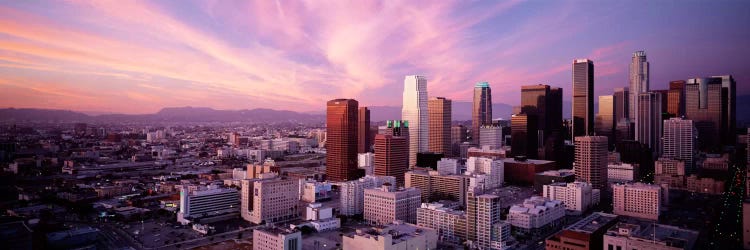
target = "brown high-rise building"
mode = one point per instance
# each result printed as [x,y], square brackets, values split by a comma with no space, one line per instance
[458,136]
[591,160]
[676,98]
[364,142]
[621,102]
[524,139]
[482,109]
[439,115]
[391,156]
[341,140]
[583,97]
[712,103]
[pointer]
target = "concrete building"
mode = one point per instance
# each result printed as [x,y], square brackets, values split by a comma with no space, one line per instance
[314,191]
[386,204]
[396,236]
[491,136]
[435,186]
[586,234]
[536,214]
[637,200]
[632,234]
[275,238]
[269,200]
[492,169]
[639,80]
[439,109]
[210,201]
[447,166]
[552,176]
[414,111]
[679,141]
[619,172]
[366,161]
[353,192]
[704,185]
[521,171]
[578,197]
[481,110]
[450,224]
[591,160]
[391,157]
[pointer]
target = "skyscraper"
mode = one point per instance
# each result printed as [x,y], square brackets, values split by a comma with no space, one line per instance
[679,140]
[649,125]
[621,100]
[710,103]
[639,79]
[482,110]
[605,123]
[440,125]
[414,110]
[676,98]
[583,97]
[364,142]
[591,160]
[524,139]
[545,103]
[341,143]
[391,157]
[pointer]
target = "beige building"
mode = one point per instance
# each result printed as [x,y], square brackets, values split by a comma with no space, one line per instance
[449,223]
[269,200]
[386,204]
[394,236]
[637,200]
[591,160]
[353,192]
[273,238]
[435,186]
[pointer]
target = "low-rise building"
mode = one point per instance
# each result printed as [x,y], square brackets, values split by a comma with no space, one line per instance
[634,234]
[386,204]
[521,171]
[449,223]
[578,197]
[585,234]
[621,172]
[536,214]
[638,200]
[206,202]
[274,238]
[353,192]
[436,186]
[552,176]
[391,237]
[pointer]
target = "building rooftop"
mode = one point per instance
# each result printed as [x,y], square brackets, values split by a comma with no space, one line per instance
[398,231]
[56,236]
[656,233]
[592,223]
[527,161]
[639,185]
[276,230]
[482,85]
[558,173]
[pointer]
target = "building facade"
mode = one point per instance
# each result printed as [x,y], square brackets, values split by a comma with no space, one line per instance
[341,142]
[583,97]
[637,200]
[440,125]
[386,204]
[591,160]
[482,109]
[269,200]
[391,157]
[414,110]
[639,79]
[364,141]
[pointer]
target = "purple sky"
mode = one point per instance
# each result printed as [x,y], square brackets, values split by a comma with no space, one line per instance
[137,57]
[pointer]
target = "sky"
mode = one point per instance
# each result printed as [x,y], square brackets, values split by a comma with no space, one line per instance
[140,56]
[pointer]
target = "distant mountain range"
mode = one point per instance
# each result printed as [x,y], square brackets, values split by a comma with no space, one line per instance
[461,112]
[181,114]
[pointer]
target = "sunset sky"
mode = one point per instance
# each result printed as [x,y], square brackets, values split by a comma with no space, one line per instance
[137,57]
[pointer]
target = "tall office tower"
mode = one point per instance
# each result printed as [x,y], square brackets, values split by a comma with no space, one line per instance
[395,128]
[391,157]
[711,104]
[621,100]
[459,134]
[649,123]
[591,160]
[676,98]
[440,125]
[341,141]
[386,204]
[679,140]
[545,103]
[491,136]
[482,110]
[414,110]
[524,139]
[605,118]
[269,200]
[637,200]
[583,97]
[364,142]
[639,80]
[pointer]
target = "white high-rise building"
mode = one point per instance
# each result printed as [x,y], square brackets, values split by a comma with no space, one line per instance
[491,136]
[414,111]
[492,169]
[577,196]
[365,161]
[679,140]
[637,200]
[639,80]
[353,192]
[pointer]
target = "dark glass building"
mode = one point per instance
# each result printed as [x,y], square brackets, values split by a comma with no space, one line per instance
[524,137]
[545,103]
[341,140]
[482,109]
[583,97]
[391,157]
[364,141]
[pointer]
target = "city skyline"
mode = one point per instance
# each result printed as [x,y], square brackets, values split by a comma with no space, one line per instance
[210,54]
